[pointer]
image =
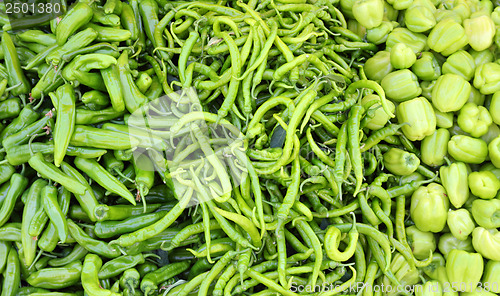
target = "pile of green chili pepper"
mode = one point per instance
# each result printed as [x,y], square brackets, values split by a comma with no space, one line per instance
[274,147]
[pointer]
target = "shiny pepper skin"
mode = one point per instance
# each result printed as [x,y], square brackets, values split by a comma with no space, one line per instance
[429,203]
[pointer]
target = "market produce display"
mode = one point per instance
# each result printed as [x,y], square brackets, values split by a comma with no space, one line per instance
[275,147]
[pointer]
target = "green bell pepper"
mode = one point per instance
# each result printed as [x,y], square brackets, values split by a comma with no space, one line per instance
[487,78]
[494,151]
[447,243]
[494,108]
[422,243]
[401,85]
[429,203]
[426,67]
[460,63]
[474,119]
[401,4]
[369,13]
[447,37]
[484,184]
[480,30]
[476,97]
[390,14]
[464,270]
[419,115]
[460,223]
[430,288]
[467,149]
[443,120]
[419,18]
[402,56]
[487,242]
[482,57]
[491,276]
[486,213]
[442,14]
[380,119]
[400,162]
[433,269]
[434,148]
[405,274]
[427,87]
[378,35]
[378,66]
[415,41]
[450,93]
[455,180]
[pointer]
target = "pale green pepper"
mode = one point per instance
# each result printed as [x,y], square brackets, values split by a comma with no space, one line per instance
[433,269]
[484,184]
[401,4]
[494,151]
[487,78]
[476,97]
[419,115]
[474,119]
[455,180]
[378,66]
[443,14]
[402,56]
[460,63]
[467,149]
[486,213]
[404,273]
[401,85]
[378,35]
[400,162]
[390,14]
[482,57]
[480,30]
[346,7]
[426,67]
[429,203]
[495,16]
[427,87]
[447,37]
[430,288]
[369,13]
[381,117]
[419,18]
[492,134]
[487,242]
[356,28]
[450,93]
[491,276]
[427,4]
[448,242]
[434,148]
[460,223]
[422,243]
[461,7]
[464,269]
[495,107]
[443,120]
[415,41]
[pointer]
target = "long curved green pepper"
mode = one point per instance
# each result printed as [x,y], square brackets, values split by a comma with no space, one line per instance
[65,121]
[54,212]
[11,274]
[17,185]
[31,205]
[353,144]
